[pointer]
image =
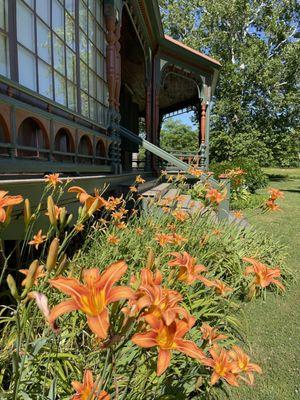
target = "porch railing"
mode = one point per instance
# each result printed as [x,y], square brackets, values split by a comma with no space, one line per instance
[223,210]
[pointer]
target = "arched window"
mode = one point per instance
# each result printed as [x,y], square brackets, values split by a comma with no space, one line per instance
[100,152]
[63,143]
[31,133]
[4,136]
[85,148]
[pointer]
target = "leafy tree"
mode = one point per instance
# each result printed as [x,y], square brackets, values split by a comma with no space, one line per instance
[257,99]
[178,136]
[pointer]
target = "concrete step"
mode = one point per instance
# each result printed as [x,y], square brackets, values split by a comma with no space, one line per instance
[157,191]
[184,201]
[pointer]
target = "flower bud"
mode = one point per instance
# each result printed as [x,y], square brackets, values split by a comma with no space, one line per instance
[63,263]
[12,286]
[62,216]
[27,212]
[51,211]
[150,259]
[30,278]
[52,254]
[70,217]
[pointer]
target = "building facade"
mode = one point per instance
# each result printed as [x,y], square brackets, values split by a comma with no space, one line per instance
[73,71]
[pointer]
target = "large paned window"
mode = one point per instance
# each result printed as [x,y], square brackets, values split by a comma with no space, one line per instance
[61,53]
[4,54]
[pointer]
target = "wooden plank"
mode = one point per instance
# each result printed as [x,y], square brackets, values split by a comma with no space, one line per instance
[157,191]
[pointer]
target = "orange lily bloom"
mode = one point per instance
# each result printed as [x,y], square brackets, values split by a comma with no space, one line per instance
[121,225]
[113,202]
[6,201]
[238,214]
[264,276]
[222,366]
[133,189]
[189,271]
[139,179]
[82,195]
[113,239]
[79,227]
[52,179]
[272,206]
[211,334]
[38,239]
[88,390]
[180,215]
[178,239]
[195,172]
[220,287]
[214,196]
[92,297]
[163,239]
[275,194]
[241,364]
[56,212]
[39,273]
[139,231]
[167,339]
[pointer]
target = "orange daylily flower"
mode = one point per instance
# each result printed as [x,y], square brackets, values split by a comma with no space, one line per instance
[81,195]
[167,339]
[139,231]
[241,364]
[180,215]
[38,239]
[139,179]
[52,179]
[211,334]
[118,215]
[222,365]
[178,239]
[113,239]
[214,196]
[275,194]
[86,198]
[189,272]
[39,273]
[88,390]
[264,276]
[121,225]
[56,212]
[272,206]
[238,214]
[163,239]
[79,227]
[113,202]
[7,201]
[93,296]
[133,189]
[195,172]
[220,287]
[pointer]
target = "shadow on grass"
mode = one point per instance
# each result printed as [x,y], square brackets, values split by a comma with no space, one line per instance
[291,190]
[277,177]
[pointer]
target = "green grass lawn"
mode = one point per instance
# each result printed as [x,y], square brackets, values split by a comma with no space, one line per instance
[272,328]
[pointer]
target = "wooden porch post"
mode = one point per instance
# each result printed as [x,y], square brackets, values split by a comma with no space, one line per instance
[148,124]
[202,124]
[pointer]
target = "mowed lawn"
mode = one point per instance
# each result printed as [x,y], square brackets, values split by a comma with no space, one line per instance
[272,328]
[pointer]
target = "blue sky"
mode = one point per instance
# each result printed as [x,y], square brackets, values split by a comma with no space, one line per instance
[185,118]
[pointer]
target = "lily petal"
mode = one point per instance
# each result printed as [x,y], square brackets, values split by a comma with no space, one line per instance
[145,340]
[99,324]
[62,308]
[163,361]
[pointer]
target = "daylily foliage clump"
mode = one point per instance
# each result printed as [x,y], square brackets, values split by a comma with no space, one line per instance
[143,308]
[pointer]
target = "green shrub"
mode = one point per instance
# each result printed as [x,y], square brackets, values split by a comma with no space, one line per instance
[254,178]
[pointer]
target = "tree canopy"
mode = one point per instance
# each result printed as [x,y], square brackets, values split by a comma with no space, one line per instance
[176,136]
[257,101]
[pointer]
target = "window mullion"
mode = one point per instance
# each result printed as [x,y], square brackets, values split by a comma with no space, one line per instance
[77,52]
[12,40]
